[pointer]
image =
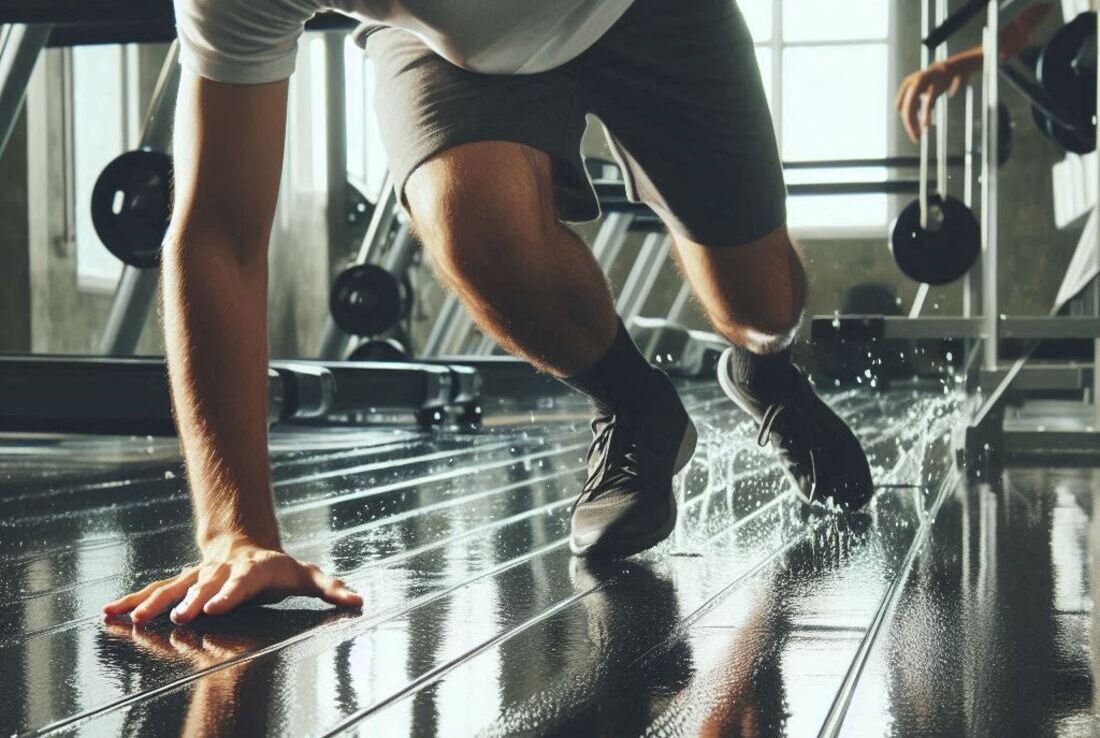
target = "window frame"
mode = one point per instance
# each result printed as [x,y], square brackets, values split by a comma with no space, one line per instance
[776,45]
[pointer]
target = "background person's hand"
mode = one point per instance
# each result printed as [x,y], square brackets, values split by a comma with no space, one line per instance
[232,573]
[919,91]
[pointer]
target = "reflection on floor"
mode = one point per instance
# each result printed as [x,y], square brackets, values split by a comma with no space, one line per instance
[947,609]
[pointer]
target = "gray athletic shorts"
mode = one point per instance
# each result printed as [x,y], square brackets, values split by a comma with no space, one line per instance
[675,84]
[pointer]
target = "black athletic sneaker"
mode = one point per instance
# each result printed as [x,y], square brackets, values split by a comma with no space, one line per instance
[818,450]
[627,504]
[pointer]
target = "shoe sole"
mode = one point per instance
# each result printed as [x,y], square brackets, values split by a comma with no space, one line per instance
[622,548]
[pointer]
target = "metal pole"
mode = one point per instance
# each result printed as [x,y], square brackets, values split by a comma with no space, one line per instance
[972,283]
[442,326]
[639,283]
[941,112]
[336,150]
[137,288]
[990,308]
[20,47]
[941,145]
[610,239]
[675,315]
[1096,343]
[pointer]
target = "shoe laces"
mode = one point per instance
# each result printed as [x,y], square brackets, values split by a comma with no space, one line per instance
[766,423]
[617,454]
[763,438]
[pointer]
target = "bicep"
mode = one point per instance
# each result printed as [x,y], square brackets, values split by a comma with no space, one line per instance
[228,153]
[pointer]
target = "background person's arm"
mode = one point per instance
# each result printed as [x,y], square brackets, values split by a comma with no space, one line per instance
[228,159]
[918,92]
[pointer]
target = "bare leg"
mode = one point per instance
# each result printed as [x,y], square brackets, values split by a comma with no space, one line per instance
[753,294]
[486,214]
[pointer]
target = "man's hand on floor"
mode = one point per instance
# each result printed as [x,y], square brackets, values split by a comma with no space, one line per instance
[232,573]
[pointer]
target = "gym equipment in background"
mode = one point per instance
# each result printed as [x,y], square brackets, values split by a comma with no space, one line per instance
[1059,81]
[1063,91]
[58,394]
[131,206]
[367,300]
[360,210]
[936,239]
[1066,71]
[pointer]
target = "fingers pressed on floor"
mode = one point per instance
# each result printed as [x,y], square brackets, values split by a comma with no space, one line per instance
[334,591]
[237,590]
[196,598]
[160,600]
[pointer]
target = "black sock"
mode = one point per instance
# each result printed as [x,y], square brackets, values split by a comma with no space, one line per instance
[764,377]
[621,381]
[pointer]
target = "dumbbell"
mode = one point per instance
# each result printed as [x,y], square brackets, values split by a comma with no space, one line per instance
[1066,71]
[367,300]
[131,206]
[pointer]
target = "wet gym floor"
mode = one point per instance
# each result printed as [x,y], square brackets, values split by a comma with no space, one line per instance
[949,608]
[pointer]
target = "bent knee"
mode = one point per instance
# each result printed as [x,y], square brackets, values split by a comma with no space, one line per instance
[758,291]
[481,202]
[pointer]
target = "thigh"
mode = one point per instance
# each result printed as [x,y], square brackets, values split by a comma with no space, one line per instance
[678,88]
[483,196]
[427,106]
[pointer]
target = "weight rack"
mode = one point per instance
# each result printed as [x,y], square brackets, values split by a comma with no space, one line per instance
[993,382]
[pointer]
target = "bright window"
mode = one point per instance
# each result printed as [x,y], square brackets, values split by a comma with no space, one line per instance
[101,112]
[366,157]
[824,65]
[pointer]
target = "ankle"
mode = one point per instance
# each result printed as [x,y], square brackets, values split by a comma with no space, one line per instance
[621,380]
[767,378]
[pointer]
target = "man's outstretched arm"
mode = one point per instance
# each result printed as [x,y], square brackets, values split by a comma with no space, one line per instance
[228,159]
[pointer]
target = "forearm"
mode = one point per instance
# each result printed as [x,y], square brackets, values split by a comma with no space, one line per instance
[1010,42]
[215,305]
[228,150]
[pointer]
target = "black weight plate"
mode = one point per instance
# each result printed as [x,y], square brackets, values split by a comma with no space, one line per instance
[941,254]
[131,206]
[1004,134]
[388,349]
[1072,90]
[365,300]
[1075,140]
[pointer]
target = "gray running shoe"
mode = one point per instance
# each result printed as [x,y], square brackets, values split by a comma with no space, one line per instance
[627,505]
[818,450]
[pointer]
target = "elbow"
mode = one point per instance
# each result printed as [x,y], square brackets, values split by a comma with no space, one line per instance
[195,240]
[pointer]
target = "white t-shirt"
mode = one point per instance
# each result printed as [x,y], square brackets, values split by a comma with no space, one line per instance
[254,41]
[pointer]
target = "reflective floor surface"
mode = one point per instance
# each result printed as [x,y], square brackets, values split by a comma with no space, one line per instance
[947,609]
